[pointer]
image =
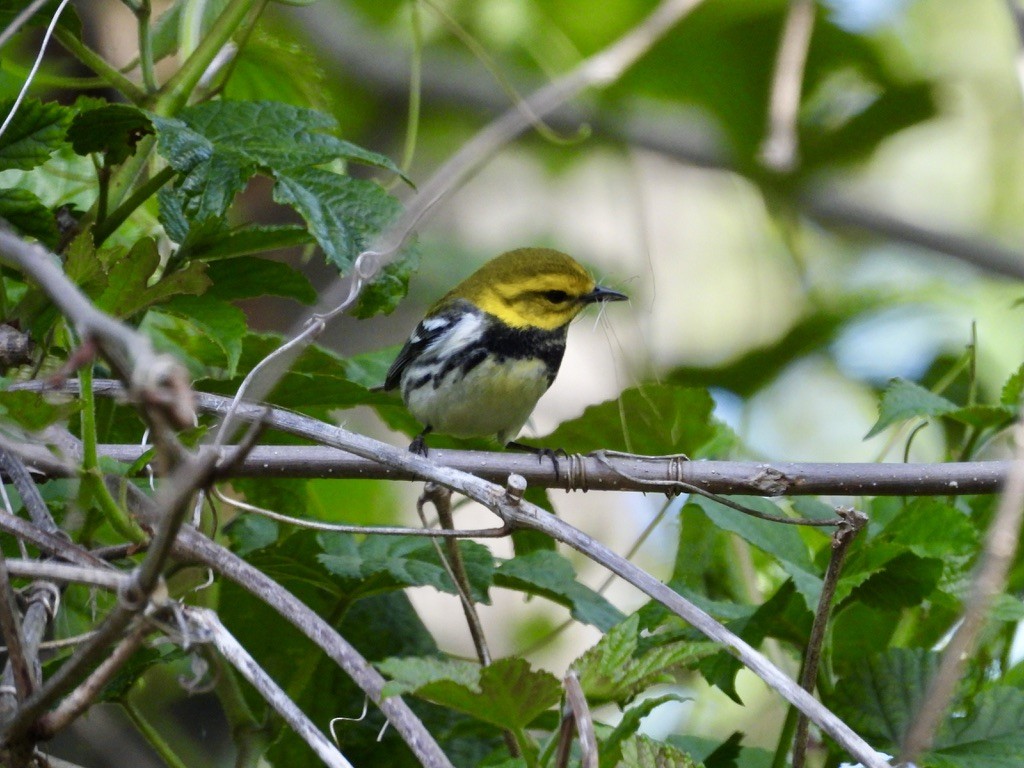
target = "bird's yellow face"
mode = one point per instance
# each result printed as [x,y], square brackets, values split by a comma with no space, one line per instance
[532,287]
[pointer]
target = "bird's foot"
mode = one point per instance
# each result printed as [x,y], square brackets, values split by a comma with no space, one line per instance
[542,453]
[419,446]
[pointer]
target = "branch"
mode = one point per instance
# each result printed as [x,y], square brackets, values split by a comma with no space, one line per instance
[988,582]
[212,631]
[153,379]
[854,521]
[10,628]
[779,150]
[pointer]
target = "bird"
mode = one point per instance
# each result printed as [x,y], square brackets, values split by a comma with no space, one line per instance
[483,355]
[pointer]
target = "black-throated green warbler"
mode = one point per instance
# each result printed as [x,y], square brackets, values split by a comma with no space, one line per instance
[477,364]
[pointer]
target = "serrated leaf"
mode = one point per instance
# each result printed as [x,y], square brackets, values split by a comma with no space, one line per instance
[247,277]
[781,541]
[643,752]
[904,400]
[342,213]
[32,411]
[546,573]
[113,129]
[653,419]
[1013,389]
[388,288]
[508,693]
[983,416]
[989,735]
[36,132]
[384,563]
[615,669]
[882,695]
[27,213]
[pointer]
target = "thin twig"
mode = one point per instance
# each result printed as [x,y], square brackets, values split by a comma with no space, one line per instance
[206,624]
[51,543]
[452,560]
[368,530]
[853,522]
[103,577]
[155,380]
[988,582]
[41,599]
[10,628]
[577,703]
[779,150]
[85,694]
[14,468]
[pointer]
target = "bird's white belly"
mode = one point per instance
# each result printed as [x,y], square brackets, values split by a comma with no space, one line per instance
[492,399]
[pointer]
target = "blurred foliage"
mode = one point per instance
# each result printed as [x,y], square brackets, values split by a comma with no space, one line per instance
[176,209]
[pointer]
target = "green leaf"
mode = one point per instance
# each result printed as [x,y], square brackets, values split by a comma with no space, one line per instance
[244,241]
[611,745]
[617,669]
[32,411]
[246,277]
[27,213]
[989,735]
[34,134]
[508,693]
[249,533]
[318,382]
[881,696]
[546,573]
[220,322]
[653,419]
[342,212]
[643,752]
[113,129]
[384,563]
[1013,389]
[388,288]
[128,286]
[780,541]
[905,400]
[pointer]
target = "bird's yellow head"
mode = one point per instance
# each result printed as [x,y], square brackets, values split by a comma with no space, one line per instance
[532,287]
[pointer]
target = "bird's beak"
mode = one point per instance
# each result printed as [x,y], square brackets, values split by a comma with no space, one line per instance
[600,293]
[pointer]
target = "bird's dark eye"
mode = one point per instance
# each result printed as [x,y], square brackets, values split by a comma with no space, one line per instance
[556,297]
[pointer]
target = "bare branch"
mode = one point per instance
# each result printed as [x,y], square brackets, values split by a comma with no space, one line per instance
[154,380]
[212,631]
[988,582]
[14,468]
[51,543]
[577,704]
[854,521]
[41,599]
[779,150]
[104,577]
[654,473]
[10,627]
[84,696]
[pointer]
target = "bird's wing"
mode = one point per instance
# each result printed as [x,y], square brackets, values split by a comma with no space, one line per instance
[427,332]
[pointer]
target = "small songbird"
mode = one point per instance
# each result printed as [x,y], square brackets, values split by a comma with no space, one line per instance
[477,364]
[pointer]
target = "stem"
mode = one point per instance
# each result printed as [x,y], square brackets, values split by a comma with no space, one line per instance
[99,65]
[105,227]
[92,477]
[142,15]
[150,734]
[175,93]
